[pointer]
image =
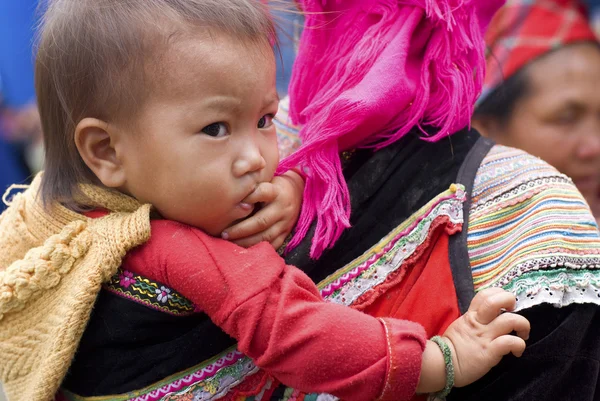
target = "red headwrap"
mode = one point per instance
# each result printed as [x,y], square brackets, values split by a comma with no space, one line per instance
[524,30]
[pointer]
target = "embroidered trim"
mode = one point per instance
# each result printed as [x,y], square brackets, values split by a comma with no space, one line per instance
[559,287]
[376,264]
[149,293]
[505,168]
[226,369]
[546,264]
[396,276]
[223,381]
[552,228]
[519,194]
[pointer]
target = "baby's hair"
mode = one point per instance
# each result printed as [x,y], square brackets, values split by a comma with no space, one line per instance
[93,58]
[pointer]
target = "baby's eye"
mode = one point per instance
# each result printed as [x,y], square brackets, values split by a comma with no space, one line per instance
[216,130]
[265,121]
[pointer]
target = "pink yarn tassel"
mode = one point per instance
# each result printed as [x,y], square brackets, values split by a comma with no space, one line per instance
[369,71]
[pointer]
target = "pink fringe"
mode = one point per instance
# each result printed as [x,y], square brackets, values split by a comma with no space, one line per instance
[369,71]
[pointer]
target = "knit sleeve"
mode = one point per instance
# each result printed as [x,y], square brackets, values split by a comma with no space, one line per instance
[279,319]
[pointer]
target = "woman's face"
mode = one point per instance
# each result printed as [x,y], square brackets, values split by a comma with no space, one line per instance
[558,119]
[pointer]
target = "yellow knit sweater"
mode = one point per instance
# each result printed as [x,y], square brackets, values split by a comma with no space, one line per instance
[52,264]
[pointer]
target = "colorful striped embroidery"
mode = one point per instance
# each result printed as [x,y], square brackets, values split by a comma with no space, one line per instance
[149,293]
[531,232]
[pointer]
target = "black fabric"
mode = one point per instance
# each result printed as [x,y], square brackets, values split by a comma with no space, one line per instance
[561,362]
[127,346]
[457,248]
[387,187]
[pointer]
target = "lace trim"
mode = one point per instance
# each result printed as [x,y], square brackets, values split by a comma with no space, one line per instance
[546,264]
[397,275]
[561,287]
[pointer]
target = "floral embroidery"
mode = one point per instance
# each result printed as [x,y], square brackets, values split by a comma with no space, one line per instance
[149,293]
[217,385]
[126,279]
[164,294]
[210,380]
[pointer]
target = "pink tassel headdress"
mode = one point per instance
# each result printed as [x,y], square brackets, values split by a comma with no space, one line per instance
[367,72]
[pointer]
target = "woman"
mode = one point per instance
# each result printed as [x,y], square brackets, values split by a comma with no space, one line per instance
[408,213]
[541,90]
[378,229]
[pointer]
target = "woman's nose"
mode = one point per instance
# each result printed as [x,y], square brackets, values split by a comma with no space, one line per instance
[589,145]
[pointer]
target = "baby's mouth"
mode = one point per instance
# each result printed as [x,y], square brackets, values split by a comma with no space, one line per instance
[247,206]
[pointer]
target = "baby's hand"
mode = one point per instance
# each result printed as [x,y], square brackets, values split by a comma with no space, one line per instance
[478,341]
[281,199]
[481,337]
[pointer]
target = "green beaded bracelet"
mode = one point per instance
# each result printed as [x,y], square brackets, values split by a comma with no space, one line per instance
[449,366]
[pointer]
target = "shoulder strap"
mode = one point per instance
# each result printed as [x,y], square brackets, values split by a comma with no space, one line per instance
[457,250]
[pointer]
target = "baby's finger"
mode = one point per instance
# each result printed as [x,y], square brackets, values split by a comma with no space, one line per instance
[264,193]
[278,242]
[493,305]
[509,322]
[271,235]
[248,241]
[256,224]
[508,344]
[481,296]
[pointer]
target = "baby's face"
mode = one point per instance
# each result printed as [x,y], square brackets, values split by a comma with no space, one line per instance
[205,138]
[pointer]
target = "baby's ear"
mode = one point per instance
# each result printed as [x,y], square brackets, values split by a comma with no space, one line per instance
[95,141]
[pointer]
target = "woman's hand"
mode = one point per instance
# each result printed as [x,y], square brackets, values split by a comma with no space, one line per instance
[281,200]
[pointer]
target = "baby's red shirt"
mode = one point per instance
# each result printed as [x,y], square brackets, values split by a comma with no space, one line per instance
[279,319]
